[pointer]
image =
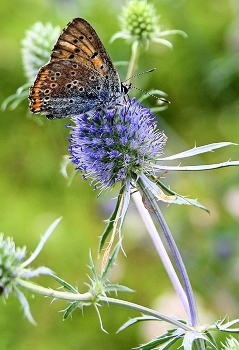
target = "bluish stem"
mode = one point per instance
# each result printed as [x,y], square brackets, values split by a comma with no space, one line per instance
[175,253]
[161,250]
[180,265]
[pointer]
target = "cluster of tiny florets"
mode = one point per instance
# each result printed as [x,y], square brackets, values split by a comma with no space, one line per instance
[116,145]
[139,20]
[10,261]
[37,46]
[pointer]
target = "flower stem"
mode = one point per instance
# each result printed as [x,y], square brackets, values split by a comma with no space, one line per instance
[133,60]
[34,288]
[161,250]
[175,253]
[90,299]
[145,311]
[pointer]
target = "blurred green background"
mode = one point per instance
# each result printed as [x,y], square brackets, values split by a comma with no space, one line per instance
[201,77]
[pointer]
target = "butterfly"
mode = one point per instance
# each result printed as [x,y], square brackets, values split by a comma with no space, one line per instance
[79,77]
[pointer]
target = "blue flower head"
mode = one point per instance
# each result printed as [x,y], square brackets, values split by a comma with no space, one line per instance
[116,145]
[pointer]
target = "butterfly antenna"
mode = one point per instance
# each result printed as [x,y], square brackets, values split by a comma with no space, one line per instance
[147,93]
[136,75]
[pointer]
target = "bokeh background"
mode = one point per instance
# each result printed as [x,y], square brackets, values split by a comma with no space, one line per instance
[201,77]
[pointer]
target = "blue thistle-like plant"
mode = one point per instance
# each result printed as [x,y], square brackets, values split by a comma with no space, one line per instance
[116,145]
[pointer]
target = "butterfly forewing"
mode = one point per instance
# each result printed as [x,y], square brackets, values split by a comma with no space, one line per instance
[80,42]
[79,77]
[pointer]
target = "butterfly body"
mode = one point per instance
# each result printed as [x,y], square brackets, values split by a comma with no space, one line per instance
[79,77]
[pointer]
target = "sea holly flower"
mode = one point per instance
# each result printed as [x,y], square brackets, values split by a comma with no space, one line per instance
[111,147]
[123,145]
[10,264]
[139,27]
[14,271]
[36,49]
[231,344]
[140,24]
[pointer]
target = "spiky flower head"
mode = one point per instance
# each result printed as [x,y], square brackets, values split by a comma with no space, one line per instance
[139,19]
[117,145]
[231,344]
[10,264]
[14,271]
[36,47]
[140,24]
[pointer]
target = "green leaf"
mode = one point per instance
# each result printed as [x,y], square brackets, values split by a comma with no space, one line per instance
[117,288]
[152,344]
[187,201]
[65,284]
[135,320]
[42,242]
[111,220]
[110,263]
[211,338]
[93,269]
[168,339]
[72,307]
[179,199]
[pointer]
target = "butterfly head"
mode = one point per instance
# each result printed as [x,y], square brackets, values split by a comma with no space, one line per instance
[125,88]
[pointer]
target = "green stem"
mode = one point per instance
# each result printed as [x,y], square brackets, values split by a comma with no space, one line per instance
[91,299]
[34,288]
[145,311]
[133,60]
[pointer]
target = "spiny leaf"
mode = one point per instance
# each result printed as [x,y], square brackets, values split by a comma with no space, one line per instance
[176,198]
[65,284]
[225,327]
[117,288]
[111,220]
[136,320]
[93,269]
[72,307]
[168,339]
[154,343]
[198,150]
[110,263]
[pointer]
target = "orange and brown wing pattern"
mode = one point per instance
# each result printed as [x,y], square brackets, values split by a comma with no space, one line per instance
[79,42]
[79,77]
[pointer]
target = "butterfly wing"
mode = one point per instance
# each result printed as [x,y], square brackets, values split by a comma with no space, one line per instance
[62,89]
[78,57]
[80,42]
